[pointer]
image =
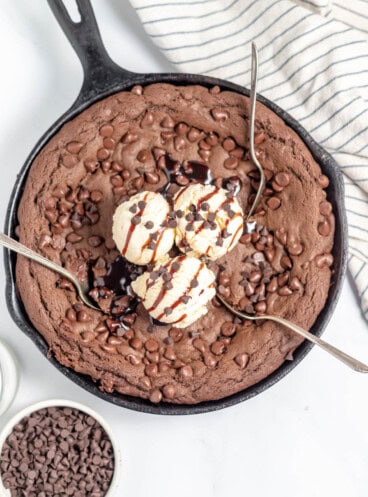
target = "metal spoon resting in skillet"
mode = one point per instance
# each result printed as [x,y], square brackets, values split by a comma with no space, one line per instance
[345,358]
[82,290]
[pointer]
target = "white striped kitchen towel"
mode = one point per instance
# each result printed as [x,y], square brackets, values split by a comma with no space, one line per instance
[313,63]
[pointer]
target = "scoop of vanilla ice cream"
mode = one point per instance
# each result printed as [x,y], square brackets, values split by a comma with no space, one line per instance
[210,220]
[178,291]
[142,228]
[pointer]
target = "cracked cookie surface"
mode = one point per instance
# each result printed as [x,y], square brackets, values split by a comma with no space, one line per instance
[115,149]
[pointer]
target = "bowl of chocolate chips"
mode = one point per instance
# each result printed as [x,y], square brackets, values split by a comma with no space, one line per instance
[59,448]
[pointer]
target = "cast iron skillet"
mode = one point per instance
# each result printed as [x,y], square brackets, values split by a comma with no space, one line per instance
[102,77]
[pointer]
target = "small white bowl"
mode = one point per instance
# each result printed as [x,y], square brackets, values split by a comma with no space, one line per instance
[8,377]
[8,428]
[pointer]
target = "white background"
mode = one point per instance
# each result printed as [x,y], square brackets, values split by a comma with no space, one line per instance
[306,436]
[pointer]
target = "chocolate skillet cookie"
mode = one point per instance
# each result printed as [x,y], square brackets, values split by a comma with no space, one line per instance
[126,144]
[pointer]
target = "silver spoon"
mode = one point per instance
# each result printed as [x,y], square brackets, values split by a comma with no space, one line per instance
[252,117]
[81,286]
[338,354]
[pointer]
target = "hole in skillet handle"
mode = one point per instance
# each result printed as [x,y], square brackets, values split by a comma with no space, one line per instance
[73,10]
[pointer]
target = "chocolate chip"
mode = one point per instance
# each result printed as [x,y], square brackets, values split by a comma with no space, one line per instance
[74,238]
[103,154]
[169,391]
[286,262]
[179,143]
[324,228]
[189,227]
[186,372]
[273,203]
[189,217]
[149,225]
[147,119]
[168,122]
[106,130]
[152,178]
[324,260]
[295,284]
[175,266]
[323,181]
[144,156]
[218,347]
[242,360]
[295,248]
[194,283]
[182,180]
[219,114]
[224,291]
[142,204]
[151,345]
[95,241]
[228,329]
[231,163]
[179,213]
[284,291]
[136,220]
[137,90]
[129,138]
[282,179]
[325,208]
[272,286]
[229,144]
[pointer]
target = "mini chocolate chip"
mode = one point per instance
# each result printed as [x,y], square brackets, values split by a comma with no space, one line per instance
[168,311]
[189,227]
[133,208]
[231,163]
[194,283]
[142,204]
[273,203]
[324,228]
[179,213]
[136,220]
[242,360]
[211,216]
[325,208]
[282,179]
[228,329]
[149,225]
[229,144]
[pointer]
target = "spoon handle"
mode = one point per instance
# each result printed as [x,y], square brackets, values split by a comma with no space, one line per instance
[21,249]
[337,353]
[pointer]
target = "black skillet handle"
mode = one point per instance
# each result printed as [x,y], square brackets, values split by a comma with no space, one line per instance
[100,71]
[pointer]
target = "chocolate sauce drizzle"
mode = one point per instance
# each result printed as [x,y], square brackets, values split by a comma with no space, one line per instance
[117,282]
[195,172]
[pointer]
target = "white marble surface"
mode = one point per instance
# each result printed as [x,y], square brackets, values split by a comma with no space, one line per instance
[307,436]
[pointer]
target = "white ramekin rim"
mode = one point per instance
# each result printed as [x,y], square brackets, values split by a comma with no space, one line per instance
[8,428]
[9,377]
